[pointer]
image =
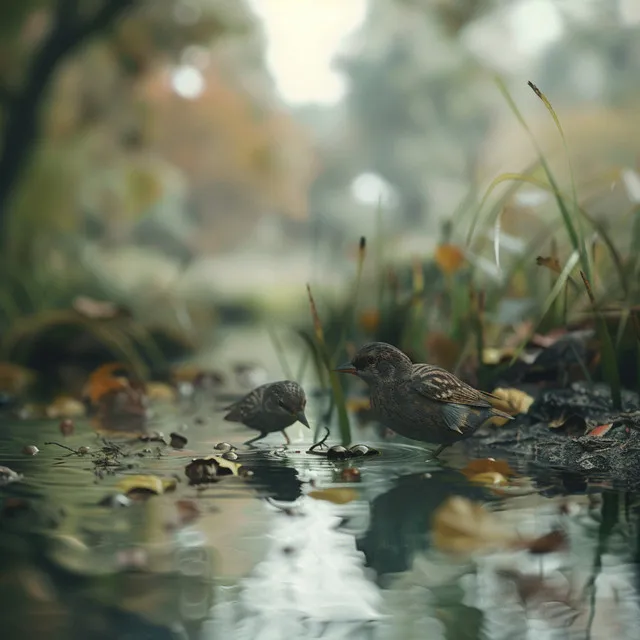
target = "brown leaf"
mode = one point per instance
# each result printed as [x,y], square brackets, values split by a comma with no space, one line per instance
[550,263]
[512,401]
[552,541]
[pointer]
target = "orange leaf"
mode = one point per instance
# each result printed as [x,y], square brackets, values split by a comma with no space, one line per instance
[488,465]
[449,258]
[600,430]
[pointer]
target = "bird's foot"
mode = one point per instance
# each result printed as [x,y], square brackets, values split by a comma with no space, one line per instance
[439,450]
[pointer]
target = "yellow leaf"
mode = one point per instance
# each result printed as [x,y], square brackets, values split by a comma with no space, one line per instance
[461,526]
[337,495]
[449,258]
[146,483]
[512,401]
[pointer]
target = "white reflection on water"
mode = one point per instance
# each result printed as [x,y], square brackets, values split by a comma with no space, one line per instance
[312,583]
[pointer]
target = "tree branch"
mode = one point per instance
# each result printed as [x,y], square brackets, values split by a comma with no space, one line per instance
[22,114]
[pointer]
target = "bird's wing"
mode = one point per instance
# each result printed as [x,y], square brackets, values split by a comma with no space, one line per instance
[245,406]
[438,384]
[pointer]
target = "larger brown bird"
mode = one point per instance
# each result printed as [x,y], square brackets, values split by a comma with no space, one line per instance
[421,401]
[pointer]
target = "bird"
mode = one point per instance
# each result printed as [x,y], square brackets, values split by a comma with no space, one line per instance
[420,401]
[270,407]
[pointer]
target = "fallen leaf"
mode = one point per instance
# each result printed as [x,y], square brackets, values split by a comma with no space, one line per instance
[210,468]
[600,430]
[572,424]
[493,355]
[104,380]
[449,258]
[461,526]
[146,484]
[7,476]
[65,407]
[490,478]
[487,465]
[335,495]
[369,320]
[512,401]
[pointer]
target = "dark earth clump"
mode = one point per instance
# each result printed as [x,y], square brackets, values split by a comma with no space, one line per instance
[569,429]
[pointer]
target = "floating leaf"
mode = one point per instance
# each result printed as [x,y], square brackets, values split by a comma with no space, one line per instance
[490,478]
[336,495]
[488,465]
[146,484]
[449,258]
[600,430]
[512,401]
[210,468]
[461,526]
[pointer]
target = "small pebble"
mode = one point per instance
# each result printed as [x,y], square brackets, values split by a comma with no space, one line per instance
[30,450]
[337,452]
[223,446]
[84,450]
[230,455]
[178,441]
[66,427]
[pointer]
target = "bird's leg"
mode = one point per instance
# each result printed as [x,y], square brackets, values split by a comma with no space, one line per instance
[440,449]
[258,437]
[286,437]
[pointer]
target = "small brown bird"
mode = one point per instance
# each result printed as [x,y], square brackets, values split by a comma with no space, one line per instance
[420,401]
[270,407]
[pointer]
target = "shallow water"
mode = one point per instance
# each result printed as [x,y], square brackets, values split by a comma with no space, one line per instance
[273,556]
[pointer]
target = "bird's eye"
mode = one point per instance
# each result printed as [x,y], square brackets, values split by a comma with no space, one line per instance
[370,360]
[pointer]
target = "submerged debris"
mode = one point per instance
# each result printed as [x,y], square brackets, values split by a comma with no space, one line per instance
[178,441]
[7,476]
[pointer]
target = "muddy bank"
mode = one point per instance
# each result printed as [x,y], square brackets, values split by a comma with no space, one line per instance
[574,429]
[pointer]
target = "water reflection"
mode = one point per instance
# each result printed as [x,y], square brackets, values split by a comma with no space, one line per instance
[297,551]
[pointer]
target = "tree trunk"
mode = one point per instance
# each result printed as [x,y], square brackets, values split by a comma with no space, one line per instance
[22,109]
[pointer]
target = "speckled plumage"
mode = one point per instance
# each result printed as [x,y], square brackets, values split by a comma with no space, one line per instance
[420,401]
[270,407]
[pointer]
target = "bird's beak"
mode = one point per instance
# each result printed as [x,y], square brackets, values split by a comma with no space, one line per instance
[347,368]
[302,418]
